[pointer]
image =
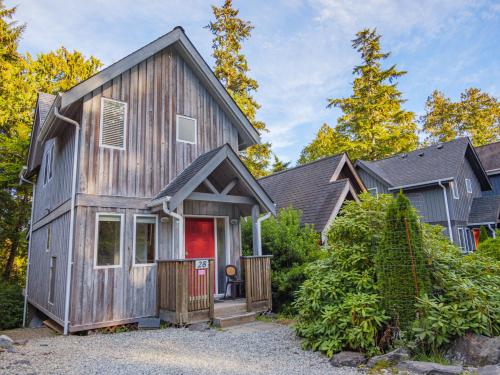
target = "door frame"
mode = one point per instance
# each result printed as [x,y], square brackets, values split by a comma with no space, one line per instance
[227,247]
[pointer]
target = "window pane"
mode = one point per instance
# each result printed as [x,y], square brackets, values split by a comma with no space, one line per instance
[108,247]
[221,254]
[52,284]
[145,240]
[186,129]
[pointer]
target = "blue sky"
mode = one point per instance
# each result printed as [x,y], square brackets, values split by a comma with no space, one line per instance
[300,51]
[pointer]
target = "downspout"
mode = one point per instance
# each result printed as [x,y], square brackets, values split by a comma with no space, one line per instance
[447,209]
[22,179]
[259,237]
[72,216]
[175,215]
[492,231]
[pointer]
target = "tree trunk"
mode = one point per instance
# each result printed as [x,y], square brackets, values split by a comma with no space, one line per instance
[10,260]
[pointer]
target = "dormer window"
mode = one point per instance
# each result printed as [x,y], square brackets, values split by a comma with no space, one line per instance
[186,129]
[468,185]
[113,121]
[48,162]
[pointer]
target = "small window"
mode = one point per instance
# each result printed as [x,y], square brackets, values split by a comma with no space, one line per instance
[462,244]
[49,239]
[113,120]
[48,161]
[145,241]
[52,279]
[109,234]
[373,191]
[454,190]
[186,129]
[468,185]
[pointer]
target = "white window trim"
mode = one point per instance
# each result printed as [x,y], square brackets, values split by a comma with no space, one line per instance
[454,190]
[47,242]
[177,129]
[50,292]
[468,185]
[103,99]
[373,189]
[50,151]
[134,264]
[96,238]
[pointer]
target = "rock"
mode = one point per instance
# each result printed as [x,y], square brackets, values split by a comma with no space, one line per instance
[489,370]
[20,342]
[429,368]
[392,358]
[475,350]
[6,342]
[349,359]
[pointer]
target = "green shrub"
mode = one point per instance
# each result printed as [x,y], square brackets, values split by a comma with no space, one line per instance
[490,248]
[293,247]
[11,306]
[483,234]
[402,274]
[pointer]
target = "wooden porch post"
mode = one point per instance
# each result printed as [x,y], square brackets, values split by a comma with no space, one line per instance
[255,230]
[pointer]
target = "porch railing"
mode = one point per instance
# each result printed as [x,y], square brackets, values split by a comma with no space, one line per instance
[257,276]
[185,291]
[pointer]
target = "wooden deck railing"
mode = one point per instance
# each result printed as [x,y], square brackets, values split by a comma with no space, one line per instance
[185,294]
[257,275]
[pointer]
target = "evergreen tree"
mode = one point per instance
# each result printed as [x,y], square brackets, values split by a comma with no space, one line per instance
[279,165]
[373,123]
[483,234]
[476,115]
[400,264]
[231,68]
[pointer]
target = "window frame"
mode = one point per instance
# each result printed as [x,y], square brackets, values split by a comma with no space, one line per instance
[48,171]
[468,185]
[454,189]
[52,274]
[134,264]
[125,118]
[462,241]
[48,242]
[373,189]
[96,238]
[177,129]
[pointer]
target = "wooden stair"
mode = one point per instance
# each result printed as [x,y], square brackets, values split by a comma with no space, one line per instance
[232,313]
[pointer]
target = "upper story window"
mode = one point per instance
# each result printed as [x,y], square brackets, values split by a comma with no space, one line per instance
[49,164]
[113,123]
[468,185]
[186,129]
[109,240]
[454,190]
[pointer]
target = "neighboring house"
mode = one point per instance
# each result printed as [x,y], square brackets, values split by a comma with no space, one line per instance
[138,176]
[318,189]
[490,157]
[443,182]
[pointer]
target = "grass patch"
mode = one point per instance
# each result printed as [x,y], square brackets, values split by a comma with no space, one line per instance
[432,357]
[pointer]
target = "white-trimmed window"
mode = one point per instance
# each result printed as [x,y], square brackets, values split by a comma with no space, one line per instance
[49,239]
[373,191]
[461,240]
[113,124]
[52,279]
[109,240]
[468,185]
[186,129]
[49,164]
[454,190]
[145,239]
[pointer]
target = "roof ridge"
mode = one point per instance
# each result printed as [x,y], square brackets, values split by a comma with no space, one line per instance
[302,165]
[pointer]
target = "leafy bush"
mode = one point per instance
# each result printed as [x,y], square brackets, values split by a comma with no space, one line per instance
[401,269]
[490,248]
[293,247]
[11,306]
[483,234]
[339,305]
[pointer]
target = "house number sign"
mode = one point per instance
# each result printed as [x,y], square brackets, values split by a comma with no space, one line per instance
[201,264]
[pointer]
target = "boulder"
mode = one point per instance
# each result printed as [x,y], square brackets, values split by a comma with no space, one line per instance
[429,368]
[489,370]
[6,342]
[349,359]
[475,350]
[392,358]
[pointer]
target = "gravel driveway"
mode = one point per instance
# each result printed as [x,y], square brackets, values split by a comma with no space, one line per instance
[255,348]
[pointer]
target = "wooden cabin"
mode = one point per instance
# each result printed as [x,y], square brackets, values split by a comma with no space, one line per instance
[139,193]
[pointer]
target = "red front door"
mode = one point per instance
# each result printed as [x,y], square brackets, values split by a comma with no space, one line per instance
[200,238]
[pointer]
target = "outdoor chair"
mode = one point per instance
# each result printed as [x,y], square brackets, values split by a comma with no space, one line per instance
[232,280]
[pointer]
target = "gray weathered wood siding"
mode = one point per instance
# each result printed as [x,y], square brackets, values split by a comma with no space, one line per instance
[460,208]
[108,294]
[495,183]
[371,182]
[429,202]
[40,258]
[155,91]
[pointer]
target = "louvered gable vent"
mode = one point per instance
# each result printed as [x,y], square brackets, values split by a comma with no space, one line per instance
[113,119]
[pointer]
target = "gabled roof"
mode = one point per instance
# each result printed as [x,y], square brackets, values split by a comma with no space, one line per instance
[44,102]
[311,189]
[181,187]
[490,157]
[485,210]
[426,166]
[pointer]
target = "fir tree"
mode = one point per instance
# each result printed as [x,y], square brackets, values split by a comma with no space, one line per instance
[279,165]
[373,123]
[231,68]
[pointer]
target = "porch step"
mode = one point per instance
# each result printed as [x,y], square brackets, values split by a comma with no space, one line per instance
[234,319]
[228,307]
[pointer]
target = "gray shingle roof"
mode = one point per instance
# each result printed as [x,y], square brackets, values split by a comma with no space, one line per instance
[490,156]
[307,188]
[485,210]
[426,164]
[44,103]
